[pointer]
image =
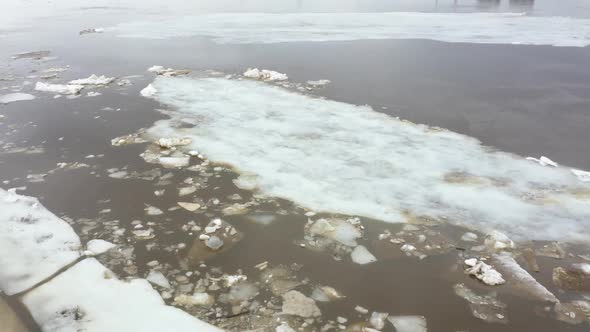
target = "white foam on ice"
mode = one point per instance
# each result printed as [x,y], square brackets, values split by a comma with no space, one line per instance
[88,297]
[33,241]
[337,157]
[497,28]
[14,97]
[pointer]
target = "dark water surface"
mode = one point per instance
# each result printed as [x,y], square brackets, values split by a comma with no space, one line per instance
[530,100]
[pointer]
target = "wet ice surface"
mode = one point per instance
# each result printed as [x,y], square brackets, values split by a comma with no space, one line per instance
[324,155]
[503,28]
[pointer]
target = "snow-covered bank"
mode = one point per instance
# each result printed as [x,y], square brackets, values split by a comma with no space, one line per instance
[493,28]
[337,157]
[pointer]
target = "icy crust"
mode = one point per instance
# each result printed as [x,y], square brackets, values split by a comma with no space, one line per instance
[336,157]
[490,28]
[88,297]
[35,243]
[14,97]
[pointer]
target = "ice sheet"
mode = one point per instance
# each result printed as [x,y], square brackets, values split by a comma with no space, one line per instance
[88,297]
[336,157]
[497,28]
[14,97]
[35,243]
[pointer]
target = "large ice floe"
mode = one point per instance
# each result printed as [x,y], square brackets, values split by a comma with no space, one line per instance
[39,251]
[495,28]
[342,158]
[35,243]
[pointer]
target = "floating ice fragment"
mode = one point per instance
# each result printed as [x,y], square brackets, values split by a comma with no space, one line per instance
[361,255]
[521,280]
[575,277]
[284,327]
[169,142]
[98,246]
[265,75]
[297,304]
[36,55]
[93,94]
[14,97]
[377,319]
[148,91]
[93,80]
[408,323]
[214,242]
[91,30]
[483,272]
[69,89]
[152,210]
[484,307]
[189,206]
[159,70]
[469,237]
[157,278]
[318,83]
[173,162]
[496,240]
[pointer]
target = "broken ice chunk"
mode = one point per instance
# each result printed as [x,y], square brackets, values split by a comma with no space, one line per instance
[483,272]
[543,161]
[93,80]
[361,255]
[521,280]
[297,304]
[575,277]
[172,162]
[189,206]
[14,97]
[63,89]
[148,91]
[484,307]
[408,323]
[265,75]
[169,142]
[157,278]
[98,246]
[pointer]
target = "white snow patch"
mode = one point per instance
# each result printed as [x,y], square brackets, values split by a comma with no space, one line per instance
[98,246]
[63,89]
[493,28]
[34,242]
[361,255]
[93,80]
[88,297]
[14,97]
[335,157]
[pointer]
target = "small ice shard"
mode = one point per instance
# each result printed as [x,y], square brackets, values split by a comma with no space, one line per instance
[14,97]
[173,162]
[336,229]
[284,327]
[265,75]
[169,142]
[361,255]
[574,277]
[326,294]
[318,83]
[93,94]
[377,320]
[543,161]
[143,234]
[160,70]
[158,278]
[519,278]
[496,240]
[36,55]
[361,310]
[199,299]
[63,89]
[189,206]
[297,304]
[98,246]
[184,191]
[484,307]
[483,272]
[148,91]
[583,176]
[408,323]
[469,237]
[214,243]
[93,80]
[118,175]
[152,210]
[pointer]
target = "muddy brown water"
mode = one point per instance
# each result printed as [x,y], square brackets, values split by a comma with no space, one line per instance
[530,100]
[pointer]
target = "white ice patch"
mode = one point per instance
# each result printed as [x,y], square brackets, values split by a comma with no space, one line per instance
[88,297]
[408,323]
[63,89]
[362,256]
[265,75]
[490,28]
[33,241]
[148,91]
[98,246]
[337,157]
[14,97]
[93,80]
